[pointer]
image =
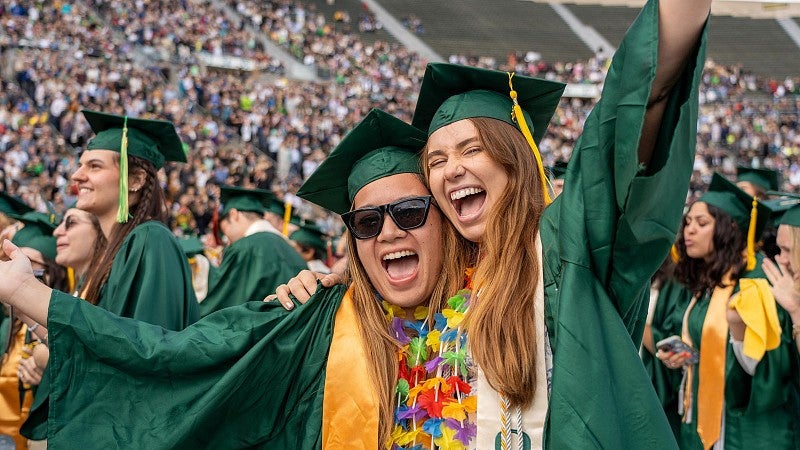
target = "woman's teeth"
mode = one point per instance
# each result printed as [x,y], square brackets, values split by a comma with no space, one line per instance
[461,193]
[397,255]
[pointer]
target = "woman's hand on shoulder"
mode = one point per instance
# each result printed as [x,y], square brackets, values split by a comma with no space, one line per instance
[302,287]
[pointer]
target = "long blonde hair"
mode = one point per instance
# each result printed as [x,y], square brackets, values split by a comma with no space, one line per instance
[500,323]
[380,347]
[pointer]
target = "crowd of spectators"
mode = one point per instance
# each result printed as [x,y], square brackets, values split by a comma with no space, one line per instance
[260,129]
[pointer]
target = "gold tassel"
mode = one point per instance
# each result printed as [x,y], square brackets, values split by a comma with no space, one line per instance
[122,212]
[516,113]
[71,279]
[673,253]
[287,216]
[751,237]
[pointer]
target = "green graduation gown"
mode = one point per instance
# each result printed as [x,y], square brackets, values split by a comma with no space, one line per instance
[251,269]
[761,411]
[249,376]
[666,323]
[149,281]
[603,238]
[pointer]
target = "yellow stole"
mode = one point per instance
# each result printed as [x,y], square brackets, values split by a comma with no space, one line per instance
[713,349]
[350,405]
[756,306]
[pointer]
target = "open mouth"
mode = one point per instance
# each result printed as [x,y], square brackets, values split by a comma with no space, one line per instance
[468,202]
[400,266]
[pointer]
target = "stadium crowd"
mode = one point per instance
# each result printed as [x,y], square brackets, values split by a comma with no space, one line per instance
[271,132]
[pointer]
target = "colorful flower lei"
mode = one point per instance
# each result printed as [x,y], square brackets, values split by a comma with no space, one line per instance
[432,395]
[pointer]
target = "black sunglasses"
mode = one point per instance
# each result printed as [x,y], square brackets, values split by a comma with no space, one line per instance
[407,214]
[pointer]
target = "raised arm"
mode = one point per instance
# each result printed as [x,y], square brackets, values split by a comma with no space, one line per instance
[679,27]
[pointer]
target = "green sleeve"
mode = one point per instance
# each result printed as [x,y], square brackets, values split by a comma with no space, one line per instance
[672,300]
[251,269]
[617,218]
[248,376]
[150,280]
[603,239]
[775,381]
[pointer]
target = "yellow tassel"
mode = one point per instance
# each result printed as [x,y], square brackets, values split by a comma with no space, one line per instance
[673,253]
[122,212]
[71,279]
[516,113]
[287,216]
[751,237]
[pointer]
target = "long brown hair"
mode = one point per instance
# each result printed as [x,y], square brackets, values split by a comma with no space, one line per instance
[728,255]
[380,347]
[502,336]
[149,207]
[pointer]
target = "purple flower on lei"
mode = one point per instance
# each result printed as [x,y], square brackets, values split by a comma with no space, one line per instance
[399,332]
[464,433]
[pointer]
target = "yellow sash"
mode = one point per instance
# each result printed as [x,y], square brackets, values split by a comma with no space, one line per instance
[713,349]
[350,405]
[756,306]
[12,413]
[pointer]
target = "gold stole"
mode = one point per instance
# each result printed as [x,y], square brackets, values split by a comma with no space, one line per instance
[756,306]
[713,349]
[350,404]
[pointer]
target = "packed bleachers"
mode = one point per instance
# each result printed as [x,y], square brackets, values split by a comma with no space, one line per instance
[261,129]
[493,28]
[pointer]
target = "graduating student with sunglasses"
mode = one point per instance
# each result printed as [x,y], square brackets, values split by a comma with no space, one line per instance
[256,375]
[559,294]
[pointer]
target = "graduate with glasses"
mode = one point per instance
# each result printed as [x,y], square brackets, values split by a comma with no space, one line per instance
[257,375]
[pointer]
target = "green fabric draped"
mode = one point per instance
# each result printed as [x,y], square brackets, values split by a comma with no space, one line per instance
[250,376]
[149,281]
[603,238]
[251,269]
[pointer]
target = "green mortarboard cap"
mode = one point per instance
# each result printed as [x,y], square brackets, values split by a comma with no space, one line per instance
[558,170]
[276,207]
[785,209]
[309,234]
[154,140]
[765,178]
[735,202]
[12,205]
[37,232]
[791,217]
[256,200]
[451,92]
[191,246]
[379,146]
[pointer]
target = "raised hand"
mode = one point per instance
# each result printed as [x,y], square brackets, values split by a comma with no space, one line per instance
[783,286]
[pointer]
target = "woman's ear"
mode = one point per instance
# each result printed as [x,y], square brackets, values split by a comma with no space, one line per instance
[136,180]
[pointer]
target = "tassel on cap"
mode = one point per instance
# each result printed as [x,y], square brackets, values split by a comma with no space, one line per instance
[287,216]
[674,254]
[122,212]
[516,113]
[751,236]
